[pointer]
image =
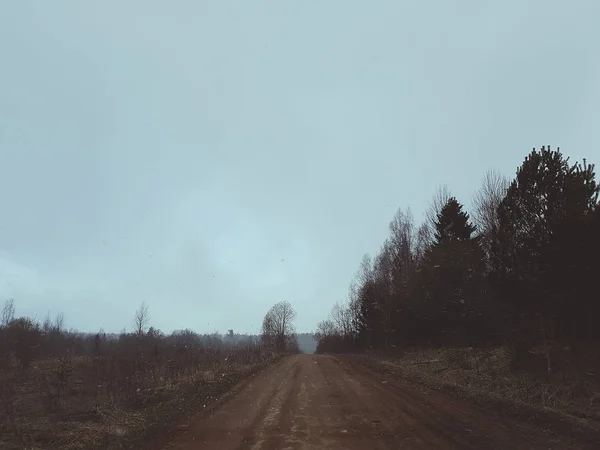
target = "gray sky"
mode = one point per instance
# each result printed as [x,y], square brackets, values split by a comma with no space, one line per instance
[213,158]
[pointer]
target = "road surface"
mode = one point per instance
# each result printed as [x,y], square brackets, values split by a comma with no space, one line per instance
[322,402]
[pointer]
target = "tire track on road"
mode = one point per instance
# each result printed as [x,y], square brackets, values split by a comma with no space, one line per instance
[325,403]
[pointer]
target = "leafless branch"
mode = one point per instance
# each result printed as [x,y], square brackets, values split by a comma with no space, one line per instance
[8,312]
[141,319]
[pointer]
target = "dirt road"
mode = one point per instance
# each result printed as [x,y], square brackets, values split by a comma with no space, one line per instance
[322,402]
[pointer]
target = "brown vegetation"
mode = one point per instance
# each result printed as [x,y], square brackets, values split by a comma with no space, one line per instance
[69,390]
[565,402]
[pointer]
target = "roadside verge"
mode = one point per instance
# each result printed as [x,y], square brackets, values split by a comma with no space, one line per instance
[518,397]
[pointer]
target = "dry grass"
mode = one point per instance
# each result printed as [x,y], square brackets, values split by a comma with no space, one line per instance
[566,394]
[108,401]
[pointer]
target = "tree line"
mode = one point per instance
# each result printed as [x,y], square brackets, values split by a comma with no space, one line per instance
[24,339]
[518,269]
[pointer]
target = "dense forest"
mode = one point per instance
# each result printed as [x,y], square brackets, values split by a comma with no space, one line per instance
[518,269]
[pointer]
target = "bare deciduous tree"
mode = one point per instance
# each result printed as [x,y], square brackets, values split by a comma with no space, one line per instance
[56,327]
[325,329]
[485,205]
[422,241]
[59,323]
[487,198]
[402,244]
[386,271]
[365,272]
[338,332]
[341,318]
[8,312]
[278,327]
[47,323]
[141,319]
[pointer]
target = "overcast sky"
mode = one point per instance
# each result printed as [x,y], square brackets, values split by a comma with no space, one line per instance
[214,157]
